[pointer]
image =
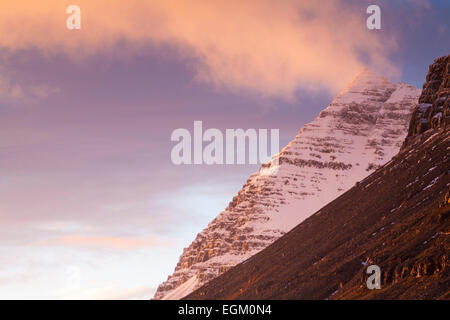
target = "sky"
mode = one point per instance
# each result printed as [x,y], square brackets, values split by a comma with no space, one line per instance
[91,205]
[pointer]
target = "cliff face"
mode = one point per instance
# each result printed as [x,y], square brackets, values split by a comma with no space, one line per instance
[433,110]
[359,131]
[396,218]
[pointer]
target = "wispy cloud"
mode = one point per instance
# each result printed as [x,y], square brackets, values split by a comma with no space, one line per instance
[11,91]
[107,242]
[108,293]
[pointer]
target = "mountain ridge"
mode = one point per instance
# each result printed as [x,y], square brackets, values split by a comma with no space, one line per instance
[358,132]
[396,218]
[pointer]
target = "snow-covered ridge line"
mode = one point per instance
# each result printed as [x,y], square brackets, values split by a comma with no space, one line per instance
[361,129]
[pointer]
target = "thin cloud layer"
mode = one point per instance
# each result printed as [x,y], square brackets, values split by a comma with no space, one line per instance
[265,47]
[11,91]
[108,242]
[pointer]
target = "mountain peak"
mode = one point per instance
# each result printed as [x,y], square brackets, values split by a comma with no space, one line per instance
[395,218]
[366,79]
[360,130]
[366,84]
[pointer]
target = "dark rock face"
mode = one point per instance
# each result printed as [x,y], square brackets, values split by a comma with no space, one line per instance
[433,110]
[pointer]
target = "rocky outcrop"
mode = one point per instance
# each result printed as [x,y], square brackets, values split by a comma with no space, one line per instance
[361,129]
[433,110]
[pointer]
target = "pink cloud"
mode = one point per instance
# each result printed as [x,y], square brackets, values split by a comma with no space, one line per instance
[122,243]
[13,91]
[266,47]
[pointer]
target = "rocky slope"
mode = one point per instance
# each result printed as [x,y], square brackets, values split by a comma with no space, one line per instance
[360,130]
[396,218]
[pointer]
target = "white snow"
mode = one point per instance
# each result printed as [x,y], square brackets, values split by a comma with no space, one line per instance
[181,291]
[432,183]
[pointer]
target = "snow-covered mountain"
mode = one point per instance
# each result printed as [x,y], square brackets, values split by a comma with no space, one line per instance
[361,129]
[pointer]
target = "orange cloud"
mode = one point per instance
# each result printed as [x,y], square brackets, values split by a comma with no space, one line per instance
[263,46]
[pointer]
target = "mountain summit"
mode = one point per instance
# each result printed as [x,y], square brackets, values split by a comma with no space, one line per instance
[360,130]
[397,219]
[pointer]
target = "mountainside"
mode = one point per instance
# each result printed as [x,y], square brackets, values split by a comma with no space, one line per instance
[360,130]
[433,110]
[396,218]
